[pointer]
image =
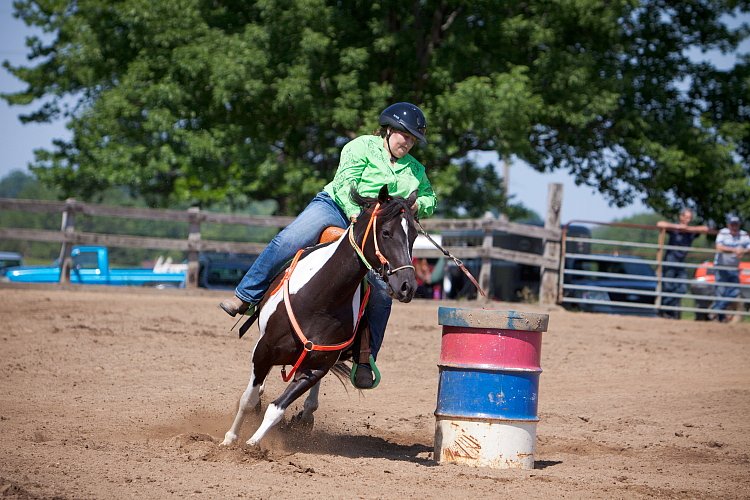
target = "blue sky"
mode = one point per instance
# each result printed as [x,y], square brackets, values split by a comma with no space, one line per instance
[18,141]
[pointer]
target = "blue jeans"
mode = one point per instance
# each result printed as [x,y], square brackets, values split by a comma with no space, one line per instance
[726,291]
[303,232]
[378,311]
[671,287]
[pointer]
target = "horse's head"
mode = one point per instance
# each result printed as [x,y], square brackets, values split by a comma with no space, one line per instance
[389,243]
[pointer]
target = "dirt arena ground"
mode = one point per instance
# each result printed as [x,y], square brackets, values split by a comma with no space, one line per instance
[117,393]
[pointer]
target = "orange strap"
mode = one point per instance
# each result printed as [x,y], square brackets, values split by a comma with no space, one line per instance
[380,256]
[369,225]
[308,345]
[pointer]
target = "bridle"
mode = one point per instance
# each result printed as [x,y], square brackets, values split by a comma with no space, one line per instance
[385,266]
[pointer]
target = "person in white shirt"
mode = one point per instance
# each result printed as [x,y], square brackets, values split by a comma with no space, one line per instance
[732,243]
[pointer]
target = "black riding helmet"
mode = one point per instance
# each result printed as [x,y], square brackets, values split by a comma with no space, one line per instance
[406,117]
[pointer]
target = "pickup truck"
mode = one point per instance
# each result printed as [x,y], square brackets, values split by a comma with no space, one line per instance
[8,260]
[623,281]
[91,267]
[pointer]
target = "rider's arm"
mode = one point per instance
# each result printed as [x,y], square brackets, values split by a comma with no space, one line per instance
[426,199]
[349,174]
[723,237]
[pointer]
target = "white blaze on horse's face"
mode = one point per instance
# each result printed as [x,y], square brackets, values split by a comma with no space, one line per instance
[405,227]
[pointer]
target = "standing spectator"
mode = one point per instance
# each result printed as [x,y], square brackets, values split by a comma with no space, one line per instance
[429,278]
[423,272]
[732,243]
[680,235]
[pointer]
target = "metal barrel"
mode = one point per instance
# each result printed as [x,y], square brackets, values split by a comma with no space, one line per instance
[489,386]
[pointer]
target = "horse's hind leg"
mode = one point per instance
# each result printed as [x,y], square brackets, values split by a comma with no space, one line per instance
[250,399]
[309,378]
[305,418]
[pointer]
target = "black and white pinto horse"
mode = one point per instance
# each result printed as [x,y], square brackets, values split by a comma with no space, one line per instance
[323,296]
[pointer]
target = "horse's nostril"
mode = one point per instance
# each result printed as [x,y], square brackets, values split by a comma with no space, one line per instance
[405,286]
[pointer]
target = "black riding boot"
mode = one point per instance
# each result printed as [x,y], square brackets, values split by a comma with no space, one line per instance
[363,379]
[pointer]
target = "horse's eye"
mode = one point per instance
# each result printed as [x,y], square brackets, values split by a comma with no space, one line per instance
[386,233]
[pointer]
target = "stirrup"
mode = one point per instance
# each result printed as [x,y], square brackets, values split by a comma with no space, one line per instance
[375,371]
[250,316]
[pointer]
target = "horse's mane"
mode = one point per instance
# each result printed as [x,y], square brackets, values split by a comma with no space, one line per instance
[394,206]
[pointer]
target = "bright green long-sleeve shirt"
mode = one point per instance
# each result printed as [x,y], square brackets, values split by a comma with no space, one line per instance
[366,164]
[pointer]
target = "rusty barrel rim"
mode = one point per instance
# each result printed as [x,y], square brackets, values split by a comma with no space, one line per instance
[486,367]
[483,418]
[494,319]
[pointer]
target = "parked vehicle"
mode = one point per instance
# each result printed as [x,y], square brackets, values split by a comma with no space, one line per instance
[8,260]
[613,282]
[509,281]
[223,271]
[91,267]
[705,276]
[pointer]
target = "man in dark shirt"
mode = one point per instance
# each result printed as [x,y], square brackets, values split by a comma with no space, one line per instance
[680,235]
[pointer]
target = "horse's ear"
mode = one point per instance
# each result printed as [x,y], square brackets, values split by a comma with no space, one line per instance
[383,195]
[412,198]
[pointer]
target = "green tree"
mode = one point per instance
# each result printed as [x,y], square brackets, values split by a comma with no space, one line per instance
[200,101]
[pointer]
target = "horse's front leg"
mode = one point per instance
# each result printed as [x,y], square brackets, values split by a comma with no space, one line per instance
[250,399]
[308,379]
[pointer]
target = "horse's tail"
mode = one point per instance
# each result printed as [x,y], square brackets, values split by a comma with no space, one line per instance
[342,371]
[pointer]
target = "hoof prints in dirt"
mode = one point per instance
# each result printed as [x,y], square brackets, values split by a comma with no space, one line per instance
[196,446]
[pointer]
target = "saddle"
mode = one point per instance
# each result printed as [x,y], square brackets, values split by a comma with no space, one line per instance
[331,233]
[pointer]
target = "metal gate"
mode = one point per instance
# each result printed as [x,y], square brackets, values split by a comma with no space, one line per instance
[628,277]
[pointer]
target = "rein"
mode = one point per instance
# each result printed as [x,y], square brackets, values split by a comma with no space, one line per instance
[455,259]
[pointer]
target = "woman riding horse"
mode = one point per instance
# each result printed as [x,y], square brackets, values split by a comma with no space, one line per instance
[312,315]
[366,164]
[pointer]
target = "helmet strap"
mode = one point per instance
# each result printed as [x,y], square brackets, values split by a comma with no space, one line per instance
[388,143]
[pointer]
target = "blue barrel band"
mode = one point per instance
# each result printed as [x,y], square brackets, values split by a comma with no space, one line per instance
[485,318]
[497,394]
[492,368]
[482,418]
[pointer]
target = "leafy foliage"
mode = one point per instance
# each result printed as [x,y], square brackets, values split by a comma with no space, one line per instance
[198,101]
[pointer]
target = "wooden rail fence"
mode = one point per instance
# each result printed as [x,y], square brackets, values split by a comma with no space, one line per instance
[68,236]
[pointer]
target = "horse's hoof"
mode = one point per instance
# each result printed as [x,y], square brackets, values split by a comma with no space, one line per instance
[302,422]
[229,439]
[253,443]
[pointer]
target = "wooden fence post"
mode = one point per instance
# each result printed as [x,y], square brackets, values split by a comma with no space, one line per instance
[194,238]
[550,277]
[485,272]
[67,227]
